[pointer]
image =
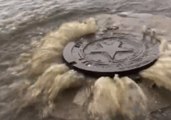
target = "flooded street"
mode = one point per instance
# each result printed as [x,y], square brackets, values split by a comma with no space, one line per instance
[23,22]
[17,14]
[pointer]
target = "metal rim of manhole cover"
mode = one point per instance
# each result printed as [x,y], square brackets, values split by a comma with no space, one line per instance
[106,53]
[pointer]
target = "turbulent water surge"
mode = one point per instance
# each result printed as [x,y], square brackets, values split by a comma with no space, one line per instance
[24,23]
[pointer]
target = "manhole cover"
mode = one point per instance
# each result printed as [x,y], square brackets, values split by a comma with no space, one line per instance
[114,53]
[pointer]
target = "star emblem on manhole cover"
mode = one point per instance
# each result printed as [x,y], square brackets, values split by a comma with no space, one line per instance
[115,54]
[111,50]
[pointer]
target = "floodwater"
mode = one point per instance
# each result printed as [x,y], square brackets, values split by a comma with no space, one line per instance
[23,21]
[15,14]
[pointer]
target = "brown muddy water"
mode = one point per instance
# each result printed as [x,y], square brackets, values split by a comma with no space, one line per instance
[23,22]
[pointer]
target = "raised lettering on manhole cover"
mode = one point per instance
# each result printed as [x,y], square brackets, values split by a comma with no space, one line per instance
[114,54]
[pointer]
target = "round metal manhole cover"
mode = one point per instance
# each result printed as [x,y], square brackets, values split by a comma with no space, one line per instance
[115,54]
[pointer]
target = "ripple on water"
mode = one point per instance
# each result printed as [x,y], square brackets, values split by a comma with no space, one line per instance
[17,14]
